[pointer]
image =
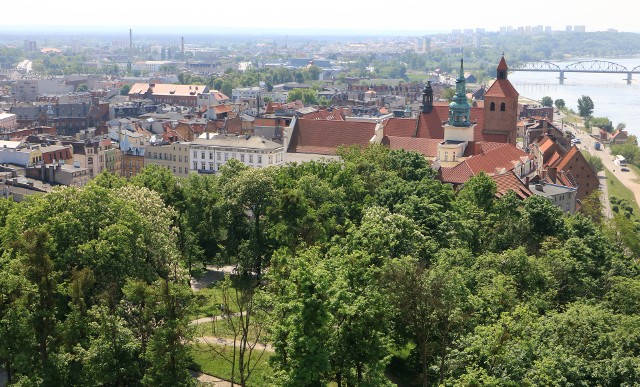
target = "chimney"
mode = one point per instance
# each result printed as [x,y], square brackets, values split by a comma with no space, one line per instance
[526,181]
[553,173]
[182,46]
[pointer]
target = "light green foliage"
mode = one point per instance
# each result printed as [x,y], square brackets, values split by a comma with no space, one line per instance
[367,266]
[585,106]
[629,150]
[595,162]
[307,96]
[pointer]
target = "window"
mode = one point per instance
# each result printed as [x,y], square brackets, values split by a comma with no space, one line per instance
[446,156]
[492,106]
[503,107]
[180,169]
[233,155]
[210,155]
[259,159]
[218,156]
[242,157]
[202,154]
[174,169]
[211,166]
[270,159]
[251,159]
[195,154]
[195,165]
[454,156]
[226,156]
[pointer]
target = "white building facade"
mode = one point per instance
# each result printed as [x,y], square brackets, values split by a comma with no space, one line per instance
[211,151]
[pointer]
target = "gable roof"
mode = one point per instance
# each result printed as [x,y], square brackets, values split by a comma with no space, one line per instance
[324,137]
[426,146]
[497,159]
[510,182]
[501,88]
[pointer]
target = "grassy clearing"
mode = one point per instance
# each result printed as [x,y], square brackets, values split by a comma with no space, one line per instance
[224,328]
[212,363]
[209,300]
[617,189]
[211,297]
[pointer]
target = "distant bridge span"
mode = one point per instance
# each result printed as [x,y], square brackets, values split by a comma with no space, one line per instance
[585,66]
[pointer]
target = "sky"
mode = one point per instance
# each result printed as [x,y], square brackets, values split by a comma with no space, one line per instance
[332,16]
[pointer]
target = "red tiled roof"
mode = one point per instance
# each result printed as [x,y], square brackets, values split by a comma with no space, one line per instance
[222,109]
[561,163]
[510,182]
[503,64]
[400,127]
[333,115]
[497,158]
[501,88]
[430,124]
[324,137]
[426,146]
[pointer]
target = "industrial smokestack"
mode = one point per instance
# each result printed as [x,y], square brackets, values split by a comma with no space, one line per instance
[182,46]
[130,40]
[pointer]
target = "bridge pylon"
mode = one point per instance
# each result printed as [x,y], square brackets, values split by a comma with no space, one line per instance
[561,77]
[629,74]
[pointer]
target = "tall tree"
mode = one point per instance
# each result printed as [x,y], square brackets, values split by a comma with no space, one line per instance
[585,106]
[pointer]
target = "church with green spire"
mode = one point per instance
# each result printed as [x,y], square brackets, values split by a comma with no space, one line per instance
[458,130]
[459,108]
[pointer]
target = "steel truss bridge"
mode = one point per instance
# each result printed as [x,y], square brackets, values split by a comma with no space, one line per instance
[585,66]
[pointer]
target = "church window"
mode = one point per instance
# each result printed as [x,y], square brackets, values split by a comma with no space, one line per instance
[503,107]
[446,156]
[493,106]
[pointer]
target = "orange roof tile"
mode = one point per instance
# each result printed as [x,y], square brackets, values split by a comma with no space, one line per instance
[510,182]
[503,64]
[497,158]
[501,88]
[324,137]
[425,146]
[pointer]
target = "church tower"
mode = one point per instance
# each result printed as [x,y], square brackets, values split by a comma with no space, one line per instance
[427,98]
[501,109]
[458,130]
[459,108]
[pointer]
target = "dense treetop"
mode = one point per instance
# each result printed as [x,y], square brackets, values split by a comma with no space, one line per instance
[366,266]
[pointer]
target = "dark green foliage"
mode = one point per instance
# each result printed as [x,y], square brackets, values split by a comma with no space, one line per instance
[356,260]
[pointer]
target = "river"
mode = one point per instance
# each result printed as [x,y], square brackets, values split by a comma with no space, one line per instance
[611,95]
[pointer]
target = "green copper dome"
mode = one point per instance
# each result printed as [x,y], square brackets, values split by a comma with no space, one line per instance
[459,109]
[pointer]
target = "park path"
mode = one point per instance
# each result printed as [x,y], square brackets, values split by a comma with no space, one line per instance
[213,274]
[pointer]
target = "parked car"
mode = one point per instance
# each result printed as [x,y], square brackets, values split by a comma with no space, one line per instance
[624,169]
[576,141]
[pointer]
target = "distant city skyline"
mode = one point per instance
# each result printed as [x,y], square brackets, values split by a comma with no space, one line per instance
[330,16]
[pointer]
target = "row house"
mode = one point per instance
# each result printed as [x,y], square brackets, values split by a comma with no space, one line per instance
[172,94]
[209,152]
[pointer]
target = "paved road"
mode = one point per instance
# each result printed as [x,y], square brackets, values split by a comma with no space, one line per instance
[629,179]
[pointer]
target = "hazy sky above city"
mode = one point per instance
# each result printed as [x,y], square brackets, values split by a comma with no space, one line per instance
[329,15]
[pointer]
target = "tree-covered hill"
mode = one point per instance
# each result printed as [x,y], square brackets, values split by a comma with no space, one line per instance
[365,268]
